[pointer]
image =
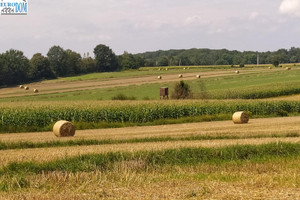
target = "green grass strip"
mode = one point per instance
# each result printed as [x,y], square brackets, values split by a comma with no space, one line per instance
[182,156]
[83,142]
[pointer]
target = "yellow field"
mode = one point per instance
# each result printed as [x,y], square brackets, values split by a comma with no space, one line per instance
[265,180]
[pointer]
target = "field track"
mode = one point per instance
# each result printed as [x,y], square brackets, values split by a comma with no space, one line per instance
[48,87]
[256,127]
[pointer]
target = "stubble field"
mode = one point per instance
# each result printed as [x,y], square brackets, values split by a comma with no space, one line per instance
[161,149]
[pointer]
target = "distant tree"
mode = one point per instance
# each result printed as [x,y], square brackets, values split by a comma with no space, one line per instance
[106,60]
[127,61]
[275,61]
[88,65]
[14,67]
[40,67]
[73,64]
[163,61]
[182,91]
[57,59]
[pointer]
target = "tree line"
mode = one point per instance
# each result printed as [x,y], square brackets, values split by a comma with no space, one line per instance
[15,68]
[219,57]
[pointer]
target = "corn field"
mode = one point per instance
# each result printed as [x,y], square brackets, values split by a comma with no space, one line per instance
[136,113]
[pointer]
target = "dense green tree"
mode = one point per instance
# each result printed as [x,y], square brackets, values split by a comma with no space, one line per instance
[40,68]
[57,59]
[106,60]
[89,65]
[14,67]
[73,63]
[127,61]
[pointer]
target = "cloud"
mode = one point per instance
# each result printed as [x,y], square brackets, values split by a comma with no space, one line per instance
[290,7]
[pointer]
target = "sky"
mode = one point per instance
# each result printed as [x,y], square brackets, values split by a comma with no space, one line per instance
[138,26]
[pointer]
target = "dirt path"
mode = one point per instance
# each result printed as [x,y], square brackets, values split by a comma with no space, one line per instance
[47,87]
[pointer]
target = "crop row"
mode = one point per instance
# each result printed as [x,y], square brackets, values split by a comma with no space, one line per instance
[141,113]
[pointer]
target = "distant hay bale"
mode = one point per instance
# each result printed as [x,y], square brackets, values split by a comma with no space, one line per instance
[167,69]
[198,76]
[63,129]
[159,69]
[26,88]
[240,117]
[184,68]
[270,67]
[237,71]
[159,77]
[36,91]
[21,86]
[180,75]
[188,68]
[288,68]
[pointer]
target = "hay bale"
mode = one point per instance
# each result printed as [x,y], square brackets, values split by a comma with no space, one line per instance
[63,129]
[159,77]
[167,69]
[240,117]
[159,69]
[198,76]
[36,91]
[237,71]
[184,68]
[270,67]
[180,75]
[288,68]
[26,88]
[21,86]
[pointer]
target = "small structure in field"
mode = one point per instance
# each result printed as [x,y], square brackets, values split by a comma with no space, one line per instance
[198,76]
[288,68]
[237,71]
[240,117]
[26,88]
[36,91]
[63,129]
[21,86]
[270,67]
[159,77]
[180,75]
[159,69]
[164,93]
[167,69]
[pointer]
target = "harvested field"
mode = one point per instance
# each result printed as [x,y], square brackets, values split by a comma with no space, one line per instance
[269,126]
[49,87]
[256,127]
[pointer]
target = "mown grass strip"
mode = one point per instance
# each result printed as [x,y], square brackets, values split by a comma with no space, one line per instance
[84,142]
[173,157]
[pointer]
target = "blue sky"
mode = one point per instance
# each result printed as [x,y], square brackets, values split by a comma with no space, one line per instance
[147,25]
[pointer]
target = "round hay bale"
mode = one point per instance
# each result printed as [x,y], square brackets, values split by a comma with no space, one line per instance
[288,68]
[21,86]
[198,76]
[180,75]
[270,67]
[26,88]
[237,72]
[36,91]
[184,68]
[159,77]
[63,129]
[240,117]
[167,69]
[159,69]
